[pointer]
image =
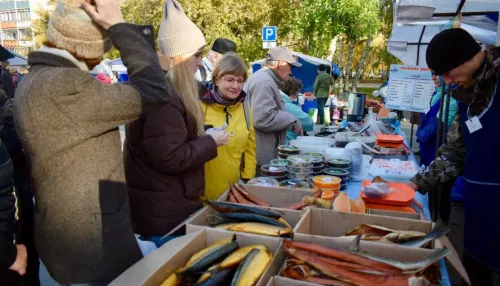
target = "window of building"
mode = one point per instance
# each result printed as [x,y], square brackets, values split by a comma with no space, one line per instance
[9,35]
[25,35]
[8,16]
[23,14]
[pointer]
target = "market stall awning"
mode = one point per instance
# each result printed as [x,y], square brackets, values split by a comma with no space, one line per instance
[306,73]
[417,21]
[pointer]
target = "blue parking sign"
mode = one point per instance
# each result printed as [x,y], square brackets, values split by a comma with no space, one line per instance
[269,34]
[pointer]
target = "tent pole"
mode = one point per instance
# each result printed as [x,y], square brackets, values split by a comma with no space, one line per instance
[418,63]
[440,127]
[447,113]
[498,31]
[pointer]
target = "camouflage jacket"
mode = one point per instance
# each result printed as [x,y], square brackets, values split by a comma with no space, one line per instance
[450,159]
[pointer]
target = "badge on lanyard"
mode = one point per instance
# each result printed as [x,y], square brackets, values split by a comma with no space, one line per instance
[473,124]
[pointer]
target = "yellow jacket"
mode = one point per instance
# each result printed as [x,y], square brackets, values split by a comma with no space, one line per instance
[227,167]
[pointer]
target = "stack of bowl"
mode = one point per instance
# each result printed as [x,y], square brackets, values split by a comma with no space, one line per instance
[340,168]
[300,167]
[294,184]
[263,182]
[276,172]
[287,150]
[330,185]
[318,163]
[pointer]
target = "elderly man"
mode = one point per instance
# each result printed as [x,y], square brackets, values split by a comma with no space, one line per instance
[472,147]
[270,119]
[68,124]
[219,48]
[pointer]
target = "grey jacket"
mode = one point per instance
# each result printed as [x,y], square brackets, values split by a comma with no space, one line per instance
[68,125]
[270,119]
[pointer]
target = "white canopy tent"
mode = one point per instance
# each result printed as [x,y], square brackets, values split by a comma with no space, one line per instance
[417,21]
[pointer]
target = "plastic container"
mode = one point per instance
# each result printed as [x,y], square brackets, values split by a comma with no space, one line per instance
[283,156]
[273,171]
[300,161]
[326,182]
[294,184]
[318,169]
[300,169]
[264,182]
[400,195]
[340,163]
[312,140]
[320,157]
[300,176]
[288,149]
[354,151]
[280,179]
[318,162]
[329,195]
[279,162]
[343,174]
[390,139]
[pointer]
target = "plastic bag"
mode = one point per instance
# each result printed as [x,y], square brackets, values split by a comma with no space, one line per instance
[377,190]
[372,121]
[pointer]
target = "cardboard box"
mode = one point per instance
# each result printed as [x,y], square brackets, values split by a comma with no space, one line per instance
[277,197]
[283,281]
[324,225]
[331,223]
[389,251]
[202,219]
[153,269]
[415,216]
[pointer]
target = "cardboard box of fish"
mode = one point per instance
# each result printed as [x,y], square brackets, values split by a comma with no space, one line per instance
[315,260]
[243,218]
[208,257]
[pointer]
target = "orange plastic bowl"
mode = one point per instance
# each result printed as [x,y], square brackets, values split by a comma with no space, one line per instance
[328,182]
[329,195]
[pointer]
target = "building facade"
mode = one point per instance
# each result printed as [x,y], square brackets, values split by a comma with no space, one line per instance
[15,25]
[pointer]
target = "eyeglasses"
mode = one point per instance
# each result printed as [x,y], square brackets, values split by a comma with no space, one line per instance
[231,80]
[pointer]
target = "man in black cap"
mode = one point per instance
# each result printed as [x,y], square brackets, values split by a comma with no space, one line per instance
[219,48]
[472,148]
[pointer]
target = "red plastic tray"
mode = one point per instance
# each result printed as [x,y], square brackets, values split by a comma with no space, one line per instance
[401,197]
[392,139]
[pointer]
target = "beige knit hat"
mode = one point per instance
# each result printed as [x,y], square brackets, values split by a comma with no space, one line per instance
[178,35]
[71,28]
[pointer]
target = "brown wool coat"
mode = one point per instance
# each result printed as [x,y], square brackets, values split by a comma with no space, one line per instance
[164,166]
[67,122]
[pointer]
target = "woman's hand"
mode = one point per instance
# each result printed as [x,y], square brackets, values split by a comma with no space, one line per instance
[106,13]
[21,262]
[221,137]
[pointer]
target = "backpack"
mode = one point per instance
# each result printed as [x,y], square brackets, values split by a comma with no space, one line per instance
[335,71]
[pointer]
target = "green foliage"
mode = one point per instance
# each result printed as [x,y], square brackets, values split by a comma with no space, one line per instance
[39,24]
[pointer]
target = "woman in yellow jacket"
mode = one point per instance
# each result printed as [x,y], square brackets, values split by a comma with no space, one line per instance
[224,107]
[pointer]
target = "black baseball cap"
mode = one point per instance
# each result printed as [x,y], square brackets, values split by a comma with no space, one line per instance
[223,45]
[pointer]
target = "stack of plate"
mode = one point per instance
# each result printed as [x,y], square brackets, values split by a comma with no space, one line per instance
[318,163]
[287,150]
[300,167]
[276,172]
[341,168]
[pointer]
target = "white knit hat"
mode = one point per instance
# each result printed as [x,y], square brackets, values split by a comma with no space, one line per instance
[178,35]
[71,29]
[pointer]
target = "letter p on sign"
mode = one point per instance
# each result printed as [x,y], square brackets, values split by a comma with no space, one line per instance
[269,34]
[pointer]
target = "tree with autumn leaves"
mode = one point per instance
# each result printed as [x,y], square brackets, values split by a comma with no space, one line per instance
[312,27]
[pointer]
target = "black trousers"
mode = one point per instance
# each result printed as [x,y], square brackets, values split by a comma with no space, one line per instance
[321,110]
[480,274]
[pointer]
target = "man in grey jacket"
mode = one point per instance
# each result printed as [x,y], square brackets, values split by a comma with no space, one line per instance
[270,119]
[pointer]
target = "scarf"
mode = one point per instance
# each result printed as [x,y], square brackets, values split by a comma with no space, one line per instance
[212,96]
[65,54]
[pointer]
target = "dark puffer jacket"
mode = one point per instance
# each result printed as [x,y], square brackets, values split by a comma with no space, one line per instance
[164,166]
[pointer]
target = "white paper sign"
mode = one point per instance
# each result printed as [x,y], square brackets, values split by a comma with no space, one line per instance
[410,88]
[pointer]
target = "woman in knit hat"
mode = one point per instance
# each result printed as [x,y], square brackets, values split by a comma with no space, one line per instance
[68,125]
[165,152]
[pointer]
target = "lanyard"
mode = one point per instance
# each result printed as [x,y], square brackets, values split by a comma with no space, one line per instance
[487,108]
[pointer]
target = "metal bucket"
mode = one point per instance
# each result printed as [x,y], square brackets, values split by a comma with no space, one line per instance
[356,106]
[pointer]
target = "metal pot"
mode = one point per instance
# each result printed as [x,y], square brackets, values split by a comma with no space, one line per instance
[356,106]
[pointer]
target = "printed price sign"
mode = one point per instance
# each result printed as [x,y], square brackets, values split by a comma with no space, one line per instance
[410,88]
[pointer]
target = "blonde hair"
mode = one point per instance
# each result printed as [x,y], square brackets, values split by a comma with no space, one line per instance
[181,77]
[232,64]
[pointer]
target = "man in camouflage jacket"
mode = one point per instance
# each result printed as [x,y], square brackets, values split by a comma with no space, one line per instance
[470,151]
